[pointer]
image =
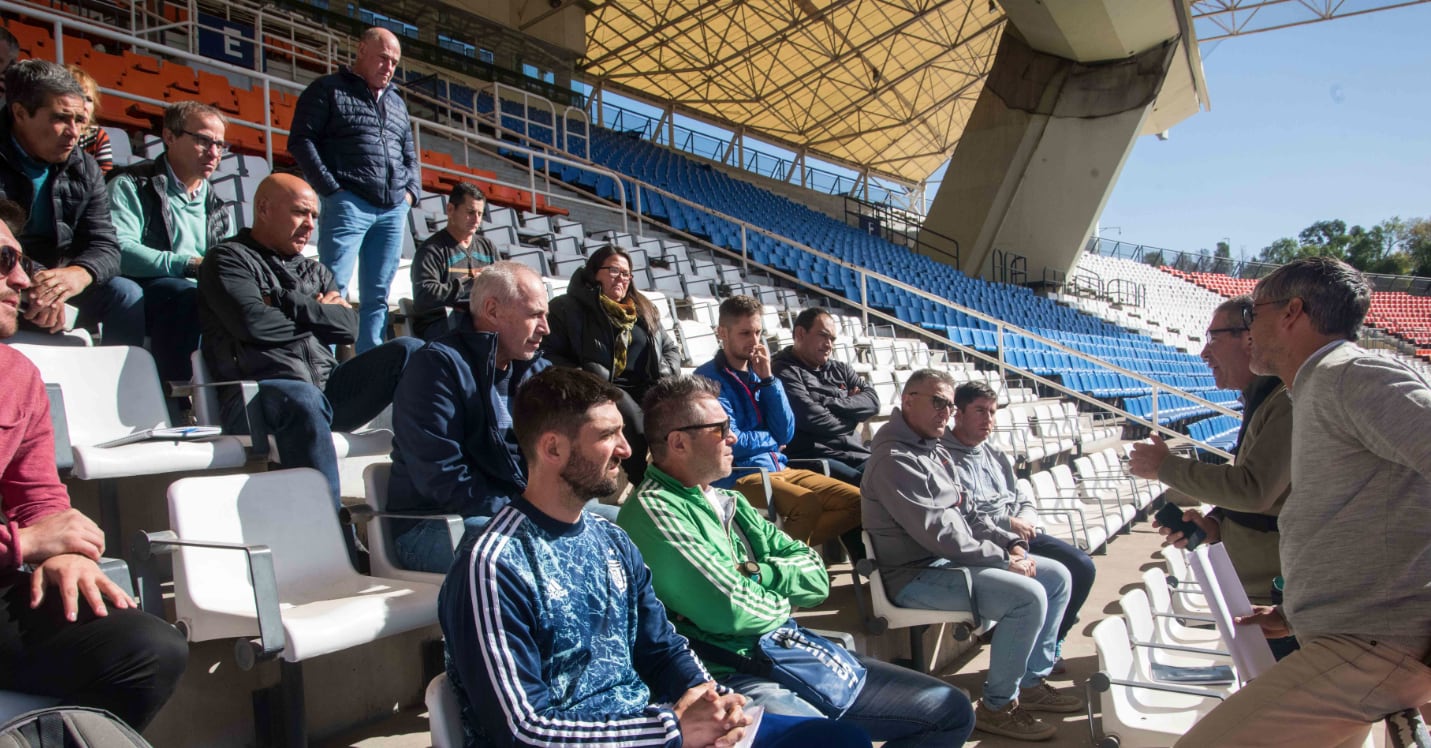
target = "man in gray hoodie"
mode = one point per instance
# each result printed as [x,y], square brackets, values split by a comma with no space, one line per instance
[1355,551]
[987,476]
[923,526]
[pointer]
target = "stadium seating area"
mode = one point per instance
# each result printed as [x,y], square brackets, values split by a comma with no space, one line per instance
[1071,455]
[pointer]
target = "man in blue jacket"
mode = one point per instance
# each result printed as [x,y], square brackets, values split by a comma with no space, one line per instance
[815,508]
[454,449]
[352,137]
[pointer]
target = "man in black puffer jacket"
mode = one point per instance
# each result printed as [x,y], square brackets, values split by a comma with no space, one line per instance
[68,231]
[269,314]
[352,137]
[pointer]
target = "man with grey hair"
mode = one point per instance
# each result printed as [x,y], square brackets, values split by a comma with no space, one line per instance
[166,217]
[454,449]
[352,137]
[1356,556]
[1249,492]
[923,526]
[68,231]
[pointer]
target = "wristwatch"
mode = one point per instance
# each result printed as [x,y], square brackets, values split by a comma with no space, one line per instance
[750,569]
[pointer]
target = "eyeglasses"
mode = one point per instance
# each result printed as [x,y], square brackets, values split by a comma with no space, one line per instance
[1211,331]
[10,257]
[938,402]
[617,272]
[207,143]
[1249,313]
[724,427]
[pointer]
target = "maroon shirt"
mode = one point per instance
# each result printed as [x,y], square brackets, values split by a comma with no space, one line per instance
[30,487]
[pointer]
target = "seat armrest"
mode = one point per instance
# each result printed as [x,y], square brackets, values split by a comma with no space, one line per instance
[118,572]
[1101,682]
[841,638]
[817,464]
[766,488]
[360,513]
[253,413]
[259,559]
[1181,648]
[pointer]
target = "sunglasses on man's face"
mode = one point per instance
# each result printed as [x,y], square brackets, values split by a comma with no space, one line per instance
[11,256]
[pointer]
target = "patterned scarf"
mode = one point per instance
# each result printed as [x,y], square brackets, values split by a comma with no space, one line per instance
[623,317]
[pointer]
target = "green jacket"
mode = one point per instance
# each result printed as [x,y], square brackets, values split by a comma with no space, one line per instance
[693,556]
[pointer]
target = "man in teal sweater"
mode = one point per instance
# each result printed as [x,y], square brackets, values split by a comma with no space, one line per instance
[166,216]
[729,576]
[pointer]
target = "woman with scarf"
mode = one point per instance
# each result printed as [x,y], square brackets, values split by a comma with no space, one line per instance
[604,325]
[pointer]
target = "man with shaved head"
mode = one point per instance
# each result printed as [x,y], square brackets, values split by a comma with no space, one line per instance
[352,137]
[270,314]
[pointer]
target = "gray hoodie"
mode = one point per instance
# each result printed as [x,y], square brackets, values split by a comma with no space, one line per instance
[987,475]
[914,511]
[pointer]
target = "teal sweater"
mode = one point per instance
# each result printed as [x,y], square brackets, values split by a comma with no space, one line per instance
[693,555]
[189,229]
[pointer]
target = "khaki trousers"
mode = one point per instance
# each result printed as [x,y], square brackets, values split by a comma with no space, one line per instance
[1331,692]
[814,508]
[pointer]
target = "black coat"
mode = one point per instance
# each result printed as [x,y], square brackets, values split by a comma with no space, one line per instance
[261,319]
[826,414]
[84,236]
[582,335]
[344,140]
[151,183]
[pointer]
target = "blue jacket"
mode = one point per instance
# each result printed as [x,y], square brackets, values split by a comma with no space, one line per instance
[448,454]
[555,637]
[760,417]
[343,140]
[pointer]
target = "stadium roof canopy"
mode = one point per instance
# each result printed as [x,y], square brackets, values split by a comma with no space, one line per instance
[886,85]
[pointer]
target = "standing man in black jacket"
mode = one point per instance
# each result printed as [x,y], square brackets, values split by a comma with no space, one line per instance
[270,314]
[446,264]
[830,400]
[353,139]
[68,230]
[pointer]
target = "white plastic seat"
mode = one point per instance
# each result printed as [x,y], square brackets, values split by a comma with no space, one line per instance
[1118,515]
[698,341]
[882,614]
[1174,623]
[370,442]
[262,555]
[382,556]
[444,715]
[1092,523]
[1180,576]
[1228,600]
[1135,711]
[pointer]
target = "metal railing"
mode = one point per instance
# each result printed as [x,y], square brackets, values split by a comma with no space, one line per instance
[1001,328]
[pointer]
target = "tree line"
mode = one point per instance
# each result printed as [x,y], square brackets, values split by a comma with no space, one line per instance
[1393,247]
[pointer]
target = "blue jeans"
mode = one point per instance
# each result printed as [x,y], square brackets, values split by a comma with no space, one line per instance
[1080,571]
[781,731]
[851,474]
[897,705]
[117,305]
[171,318]
[1028,612]
[427,546]
[302,418]
[352,229]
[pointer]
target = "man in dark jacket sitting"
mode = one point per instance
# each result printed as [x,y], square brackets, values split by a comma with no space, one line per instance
[270,314]
[829,399]
[166,217]
[68,231]
[446,264]
[454,448]
[352,137]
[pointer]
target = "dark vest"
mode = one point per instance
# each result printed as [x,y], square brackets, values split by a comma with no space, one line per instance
[151,182]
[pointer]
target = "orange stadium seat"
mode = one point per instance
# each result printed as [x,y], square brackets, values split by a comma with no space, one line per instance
[35,41]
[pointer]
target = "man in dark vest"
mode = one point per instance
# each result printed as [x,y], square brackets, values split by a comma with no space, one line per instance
[166,217]
[352,137]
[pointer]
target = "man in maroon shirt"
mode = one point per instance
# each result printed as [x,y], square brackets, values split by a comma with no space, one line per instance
[87,653]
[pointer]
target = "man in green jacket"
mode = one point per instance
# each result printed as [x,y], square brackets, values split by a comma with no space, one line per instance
[1248,493]
[729,576]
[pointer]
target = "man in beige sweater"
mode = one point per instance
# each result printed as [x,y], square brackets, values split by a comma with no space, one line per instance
[1248,493]
[1355,551]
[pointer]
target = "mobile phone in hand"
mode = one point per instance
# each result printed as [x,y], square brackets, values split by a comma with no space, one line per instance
[1171,517]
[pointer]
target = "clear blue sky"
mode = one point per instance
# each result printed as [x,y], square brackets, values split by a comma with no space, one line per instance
[1330,120]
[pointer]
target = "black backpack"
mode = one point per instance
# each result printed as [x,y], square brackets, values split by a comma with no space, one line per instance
[69,727]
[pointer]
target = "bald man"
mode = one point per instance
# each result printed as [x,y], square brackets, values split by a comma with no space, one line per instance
[270,314]
[352,137]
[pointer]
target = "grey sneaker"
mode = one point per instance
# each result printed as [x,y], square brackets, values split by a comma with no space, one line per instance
[1011,722]
[1046,698]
